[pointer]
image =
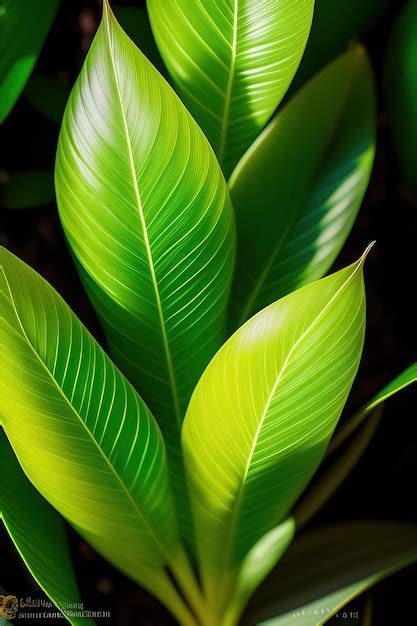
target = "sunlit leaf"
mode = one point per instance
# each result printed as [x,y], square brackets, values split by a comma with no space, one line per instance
[298,189]
[27,190]
[326,568]
[401,90]
[232,62]
[403,380]
[262,414]
[82,434]
[336,23]
[24,25]
[147,213]
[38,533]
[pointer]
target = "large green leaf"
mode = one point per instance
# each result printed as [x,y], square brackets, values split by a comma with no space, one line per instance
[232,61]
[401,90]
[24,25]
[27,190]
[38,533]
[262,414]
[82,434]
[326,568]
[335,24]
[405,379]
[298,189]
[148,216]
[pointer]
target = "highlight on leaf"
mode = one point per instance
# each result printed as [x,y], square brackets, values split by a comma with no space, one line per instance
[147,214]
[79,428]
[262,415]
[232,62]
[311,167]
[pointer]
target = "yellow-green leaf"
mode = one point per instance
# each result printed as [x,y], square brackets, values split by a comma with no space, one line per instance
[82,434]
[262,414]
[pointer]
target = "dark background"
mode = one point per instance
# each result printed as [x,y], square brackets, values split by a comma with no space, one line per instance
[383,486]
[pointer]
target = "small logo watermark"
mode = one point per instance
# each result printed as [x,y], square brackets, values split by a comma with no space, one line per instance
[28,607]
[9,606]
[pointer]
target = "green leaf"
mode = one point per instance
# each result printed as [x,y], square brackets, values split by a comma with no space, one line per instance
[256,566]
[401,90]
[82,434]
[38,533]
[24,25]
[403,380]
[48,96]
[310,167]
[232,62]
[263,412]
[27,190]
[135,22]
[326,568]
[335,24]
[147,213]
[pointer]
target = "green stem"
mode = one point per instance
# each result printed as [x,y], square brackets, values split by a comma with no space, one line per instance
[187,581]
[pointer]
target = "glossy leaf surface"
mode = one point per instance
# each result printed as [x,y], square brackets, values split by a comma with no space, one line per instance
[28,190]
[263,412]
[80,431]
[24,25]
[298,189]
[401,90]
[147,213]
[38,533]
[336,23]
[357,556]
[232,62]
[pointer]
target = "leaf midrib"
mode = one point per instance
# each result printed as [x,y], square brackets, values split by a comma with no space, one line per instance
[229,88]
[167,351]
[239,498]
[83,425]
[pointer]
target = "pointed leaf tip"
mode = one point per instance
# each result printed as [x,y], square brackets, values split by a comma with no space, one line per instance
[364,256]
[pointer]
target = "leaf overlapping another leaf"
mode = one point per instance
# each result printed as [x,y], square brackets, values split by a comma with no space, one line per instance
[262,414]
[82,434]
[38,533]
[24,25]
[298,189]
[338,563]
[232,62]
[147,214]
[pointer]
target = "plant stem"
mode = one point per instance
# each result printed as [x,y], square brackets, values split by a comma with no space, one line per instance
[187,581]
